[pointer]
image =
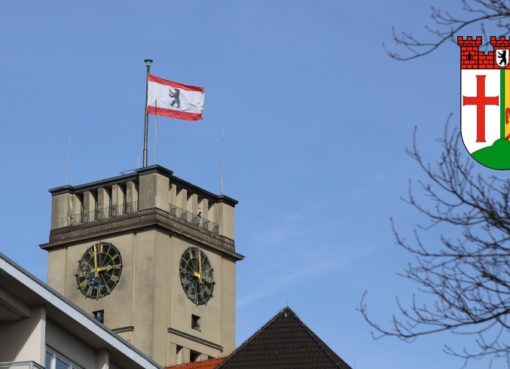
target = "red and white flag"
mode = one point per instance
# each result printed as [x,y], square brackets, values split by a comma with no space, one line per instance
[174,100]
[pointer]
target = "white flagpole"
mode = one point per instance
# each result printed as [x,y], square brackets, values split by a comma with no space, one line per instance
[148,63]
[155,133]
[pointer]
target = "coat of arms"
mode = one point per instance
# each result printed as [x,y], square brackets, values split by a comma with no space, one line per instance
[485,100]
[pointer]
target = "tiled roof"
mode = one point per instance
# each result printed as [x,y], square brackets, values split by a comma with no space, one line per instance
[205,364]
[285,342]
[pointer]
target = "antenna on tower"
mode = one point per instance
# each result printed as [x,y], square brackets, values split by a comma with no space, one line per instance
[68,160]
[222,173]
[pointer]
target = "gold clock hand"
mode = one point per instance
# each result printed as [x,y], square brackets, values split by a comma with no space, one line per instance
[108,268]
[199,266]
[96,271]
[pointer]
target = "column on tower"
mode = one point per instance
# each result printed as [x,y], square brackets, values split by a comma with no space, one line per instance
[103,202]
[118,199]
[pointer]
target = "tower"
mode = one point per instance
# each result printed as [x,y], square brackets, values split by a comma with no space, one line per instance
[153,256]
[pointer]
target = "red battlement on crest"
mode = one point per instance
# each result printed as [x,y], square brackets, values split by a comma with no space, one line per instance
[472,58]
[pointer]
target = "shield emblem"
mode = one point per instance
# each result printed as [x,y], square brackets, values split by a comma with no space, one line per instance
[502,57]
[485,100]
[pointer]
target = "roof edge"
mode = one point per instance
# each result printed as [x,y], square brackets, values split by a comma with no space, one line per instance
[135,173]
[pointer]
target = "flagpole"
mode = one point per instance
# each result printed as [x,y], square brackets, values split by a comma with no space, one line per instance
[155,132]
[148,63]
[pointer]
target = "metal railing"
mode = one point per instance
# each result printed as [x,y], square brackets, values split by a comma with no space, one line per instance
[192,218]
[103,213]
[21,365]
[132,207]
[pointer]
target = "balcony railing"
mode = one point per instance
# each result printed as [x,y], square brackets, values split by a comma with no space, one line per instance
[192,218]
[103,213]
[21,365]
[132,207]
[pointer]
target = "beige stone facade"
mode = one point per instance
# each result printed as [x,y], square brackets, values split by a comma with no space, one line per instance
[151,217]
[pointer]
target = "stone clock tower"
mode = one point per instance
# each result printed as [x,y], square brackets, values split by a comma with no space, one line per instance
[152,255]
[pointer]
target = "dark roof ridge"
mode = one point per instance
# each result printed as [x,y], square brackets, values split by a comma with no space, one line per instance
[331,355]
[249,339]
[322,345]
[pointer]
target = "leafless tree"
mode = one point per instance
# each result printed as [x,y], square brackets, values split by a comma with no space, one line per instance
[466,275]
[446,26]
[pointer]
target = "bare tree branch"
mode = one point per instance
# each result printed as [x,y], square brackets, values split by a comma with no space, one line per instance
[468,275]
[446,26]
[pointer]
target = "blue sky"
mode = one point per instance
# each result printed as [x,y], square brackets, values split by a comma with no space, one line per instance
[316,119]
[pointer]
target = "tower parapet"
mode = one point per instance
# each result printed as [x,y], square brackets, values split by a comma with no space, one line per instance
[152,192]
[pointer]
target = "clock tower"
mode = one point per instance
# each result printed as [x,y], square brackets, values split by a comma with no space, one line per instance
[152,256]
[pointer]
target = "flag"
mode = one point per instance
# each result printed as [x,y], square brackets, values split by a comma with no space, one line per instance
[174,100]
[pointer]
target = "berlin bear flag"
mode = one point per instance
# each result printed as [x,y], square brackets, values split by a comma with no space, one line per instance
[174,100]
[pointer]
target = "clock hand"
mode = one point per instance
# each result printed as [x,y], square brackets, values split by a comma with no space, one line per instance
[199,262]
[96,272]
[199,265]
[108,268]
[196,292]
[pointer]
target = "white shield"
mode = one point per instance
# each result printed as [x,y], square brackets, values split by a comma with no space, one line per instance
[502,57]
[471,111]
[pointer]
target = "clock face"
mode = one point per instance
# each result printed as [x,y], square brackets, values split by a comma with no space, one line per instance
[99,270]
[197,277]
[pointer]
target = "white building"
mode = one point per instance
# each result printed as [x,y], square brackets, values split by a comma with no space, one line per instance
[39,328]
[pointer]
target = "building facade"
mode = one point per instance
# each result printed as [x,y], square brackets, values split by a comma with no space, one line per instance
[39,328]
[153,257]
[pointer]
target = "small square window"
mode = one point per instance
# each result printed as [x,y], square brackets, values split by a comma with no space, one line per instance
[99,315]
[195,322]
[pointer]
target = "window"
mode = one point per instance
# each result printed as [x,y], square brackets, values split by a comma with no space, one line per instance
[193,356]
[195,322]
[61,364]
[178,354]
[49,358]
[99,315]
[57,361]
